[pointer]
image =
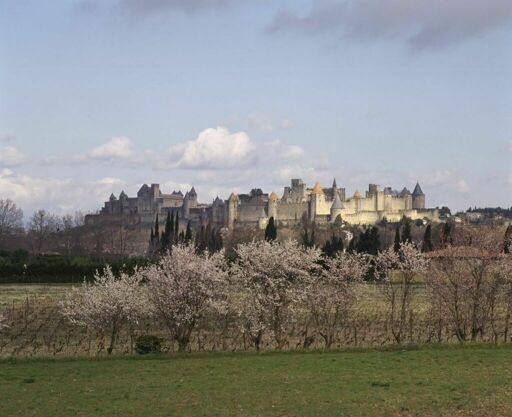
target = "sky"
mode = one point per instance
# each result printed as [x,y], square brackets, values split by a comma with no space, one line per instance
[229,95]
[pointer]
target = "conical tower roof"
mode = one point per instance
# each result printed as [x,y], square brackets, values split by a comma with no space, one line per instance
[337,204]
[317,189]
[417,190]
[404,192]
[334,185]
[357,194]
[273,196]
[233,196]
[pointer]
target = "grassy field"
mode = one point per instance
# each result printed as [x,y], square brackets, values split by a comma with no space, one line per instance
[18,293]
[471,381]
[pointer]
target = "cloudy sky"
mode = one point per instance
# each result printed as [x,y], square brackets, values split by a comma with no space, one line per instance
[101,96]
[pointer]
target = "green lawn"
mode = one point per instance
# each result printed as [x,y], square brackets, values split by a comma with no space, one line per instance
[474,381]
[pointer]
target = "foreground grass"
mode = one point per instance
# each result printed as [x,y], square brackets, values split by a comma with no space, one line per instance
[472,381]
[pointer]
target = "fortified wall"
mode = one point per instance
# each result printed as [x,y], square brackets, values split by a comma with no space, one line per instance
[318,204]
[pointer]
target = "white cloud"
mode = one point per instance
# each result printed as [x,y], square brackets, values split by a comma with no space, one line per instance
[11,156]
[214,148]
[218,149]
[115,148]
[60,195]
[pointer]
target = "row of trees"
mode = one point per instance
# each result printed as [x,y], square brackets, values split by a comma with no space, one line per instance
[40,226]
[273,286]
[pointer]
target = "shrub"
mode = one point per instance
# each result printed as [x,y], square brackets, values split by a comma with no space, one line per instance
[148,344]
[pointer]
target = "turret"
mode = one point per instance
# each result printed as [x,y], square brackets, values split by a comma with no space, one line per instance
[272,205]
[232,210]
[315,199]
[418,198]
[406,195]
[186,206]
[112,197]
[336,208]
[192,196]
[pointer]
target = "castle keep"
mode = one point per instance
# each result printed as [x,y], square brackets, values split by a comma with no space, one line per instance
[318,204]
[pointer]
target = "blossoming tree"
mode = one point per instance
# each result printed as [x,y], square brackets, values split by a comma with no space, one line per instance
[397,270]
[107,304]
[332,295]
[183,286]
[271,278]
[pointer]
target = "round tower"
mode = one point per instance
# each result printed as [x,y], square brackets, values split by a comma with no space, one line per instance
[336,208]
[317,195]
[232,210]
[272,205]
[418,198]
[186,206]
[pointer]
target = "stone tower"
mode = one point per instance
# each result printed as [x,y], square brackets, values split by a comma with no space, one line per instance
[336,208]
[406,195]
[272,205]
[232,210]
[315,199]
[186,206]
[418,198]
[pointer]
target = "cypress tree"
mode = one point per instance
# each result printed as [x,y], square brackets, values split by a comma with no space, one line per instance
[165,242]
[270,230]
[446,235]
[396,244]
[327,249]
[406,234]
[157,226]
[188,233]
[427,245]
[374,241]
[156,236]
[176,226]
[218,240]
[208,237]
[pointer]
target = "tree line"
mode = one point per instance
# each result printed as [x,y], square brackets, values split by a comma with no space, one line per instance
[274,287]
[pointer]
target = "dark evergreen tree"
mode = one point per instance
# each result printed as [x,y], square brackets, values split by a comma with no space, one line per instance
[188,233]
[271,230]
[208,237]
[176,226]
[396,244]
[156,236]
[427,245]
[446,235]
[157,227]
[369,241]
[406,233]
[166,240]
[333,246]
[200,240]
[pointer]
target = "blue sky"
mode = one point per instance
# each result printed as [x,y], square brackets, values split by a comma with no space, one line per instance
[100,96]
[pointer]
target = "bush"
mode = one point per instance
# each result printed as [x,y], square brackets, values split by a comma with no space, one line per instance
[148,344]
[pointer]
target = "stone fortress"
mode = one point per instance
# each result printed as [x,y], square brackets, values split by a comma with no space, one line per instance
[317,204]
